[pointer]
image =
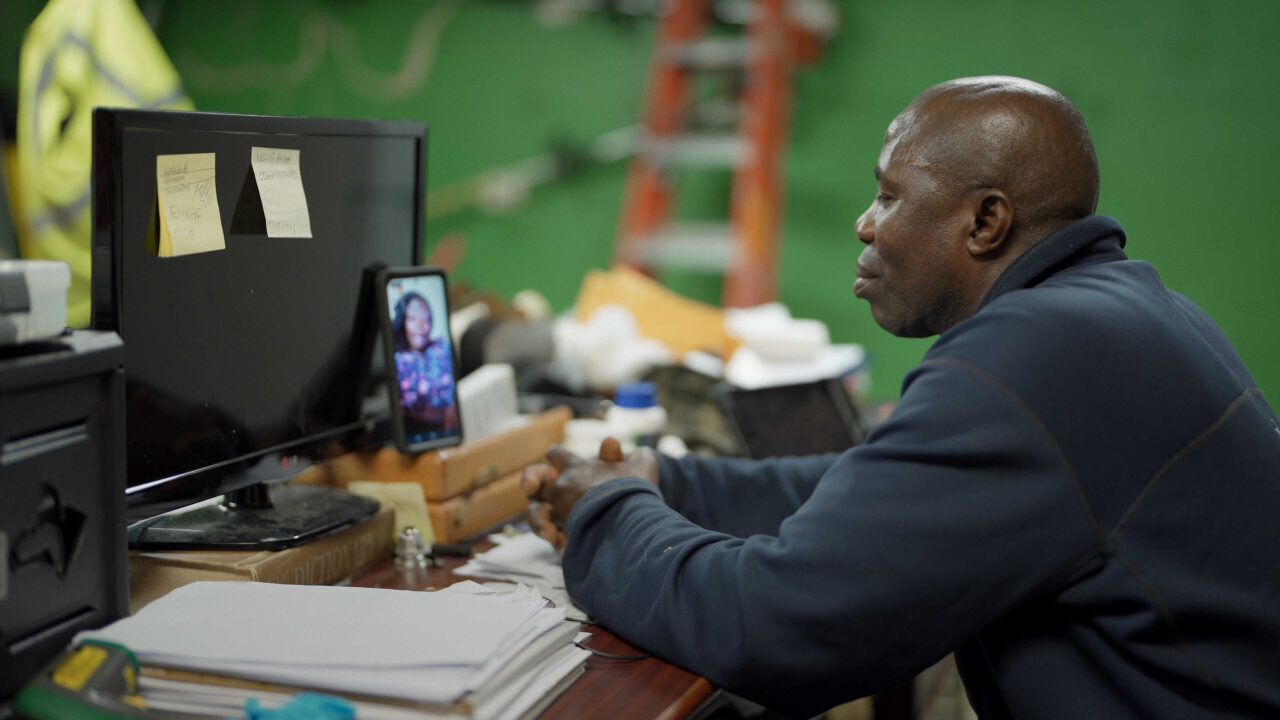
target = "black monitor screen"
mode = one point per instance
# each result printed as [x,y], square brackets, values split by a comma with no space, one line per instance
[802,419]
[241,360]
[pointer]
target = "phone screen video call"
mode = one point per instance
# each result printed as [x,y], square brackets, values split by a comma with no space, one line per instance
[420,359]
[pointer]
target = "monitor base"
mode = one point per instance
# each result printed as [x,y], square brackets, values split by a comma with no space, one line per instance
[295,514]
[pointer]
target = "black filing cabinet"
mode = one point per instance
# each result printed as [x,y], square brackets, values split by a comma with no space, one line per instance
[63,561]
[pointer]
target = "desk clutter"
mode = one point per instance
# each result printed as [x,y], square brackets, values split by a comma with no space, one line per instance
[525,558]
[390,653]
[212,381]
[468,488]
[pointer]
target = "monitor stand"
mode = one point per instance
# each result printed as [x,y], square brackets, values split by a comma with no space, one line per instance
[258,517]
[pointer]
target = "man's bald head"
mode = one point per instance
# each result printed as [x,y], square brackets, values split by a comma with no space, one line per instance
[1008,133]
[972,174]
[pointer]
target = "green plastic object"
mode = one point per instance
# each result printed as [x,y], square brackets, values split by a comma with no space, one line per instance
[91,681]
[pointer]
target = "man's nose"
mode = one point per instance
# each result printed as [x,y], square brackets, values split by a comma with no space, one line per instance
[865,228]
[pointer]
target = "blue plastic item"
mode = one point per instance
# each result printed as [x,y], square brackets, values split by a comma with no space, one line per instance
[636,395]
[303,706]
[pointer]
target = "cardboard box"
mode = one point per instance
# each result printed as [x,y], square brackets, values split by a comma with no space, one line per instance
[323,561]
[465,516]
[451,472]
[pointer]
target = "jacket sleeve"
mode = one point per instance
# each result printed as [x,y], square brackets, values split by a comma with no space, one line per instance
[952,513]
[739,496]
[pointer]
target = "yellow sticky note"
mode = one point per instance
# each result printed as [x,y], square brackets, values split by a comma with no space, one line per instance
[190,222]
[284,201]
[406,497]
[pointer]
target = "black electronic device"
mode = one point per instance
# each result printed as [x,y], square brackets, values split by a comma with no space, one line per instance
[413,311]
[799,419]
[62,547]
[243,365]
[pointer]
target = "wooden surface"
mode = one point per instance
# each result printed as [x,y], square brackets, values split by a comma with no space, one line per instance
[610,688]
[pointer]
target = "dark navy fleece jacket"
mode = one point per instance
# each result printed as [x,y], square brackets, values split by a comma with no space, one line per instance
[1078,493]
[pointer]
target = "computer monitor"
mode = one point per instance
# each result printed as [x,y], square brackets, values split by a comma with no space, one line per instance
[245,364]
[800,419]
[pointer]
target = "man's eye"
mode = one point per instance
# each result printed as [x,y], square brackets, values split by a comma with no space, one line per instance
[882,198]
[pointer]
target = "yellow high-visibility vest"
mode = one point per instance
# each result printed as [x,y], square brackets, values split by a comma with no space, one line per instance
[77,55]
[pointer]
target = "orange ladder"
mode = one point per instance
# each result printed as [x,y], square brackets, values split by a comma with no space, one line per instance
[745,248]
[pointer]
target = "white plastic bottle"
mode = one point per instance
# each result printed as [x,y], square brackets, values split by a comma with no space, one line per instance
[636,418]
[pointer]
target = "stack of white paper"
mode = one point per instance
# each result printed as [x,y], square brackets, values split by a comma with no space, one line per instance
[488,656]
[525,558]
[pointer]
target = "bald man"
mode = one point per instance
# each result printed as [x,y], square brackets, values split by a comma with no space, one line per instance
[1077,493]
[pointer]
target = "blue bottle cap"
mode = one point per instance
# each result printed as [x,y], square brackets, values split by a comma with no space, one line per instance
[636,395]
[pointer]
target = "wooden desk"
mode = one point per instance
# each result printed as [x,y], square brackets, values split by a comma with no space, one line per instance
[615,689]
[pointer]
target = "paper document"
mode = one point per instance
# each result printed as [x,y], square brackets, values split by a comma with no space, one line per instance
[217,701]
[434,648]
[278,172]
[525,558]
[405,497]
[323,625]
[187,198]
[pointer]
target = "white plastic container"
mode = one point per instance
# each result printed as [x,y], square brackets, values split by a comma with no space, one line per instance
[583,436]
[636,418]
[33,299]
[487,402]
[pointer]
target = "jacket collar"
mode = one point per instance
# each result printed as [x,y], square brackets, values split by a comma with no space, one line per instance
[1070,243]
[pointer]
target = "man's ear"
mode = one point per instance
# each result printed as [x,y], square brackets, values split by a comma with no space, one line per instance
[992,219]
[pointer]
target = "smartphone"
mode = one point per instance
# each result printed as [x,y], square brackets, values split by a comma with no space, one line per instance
[413,310]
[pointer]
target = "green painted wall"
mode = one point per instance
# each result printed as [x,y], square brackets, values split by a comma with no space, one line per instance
[1181,96]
